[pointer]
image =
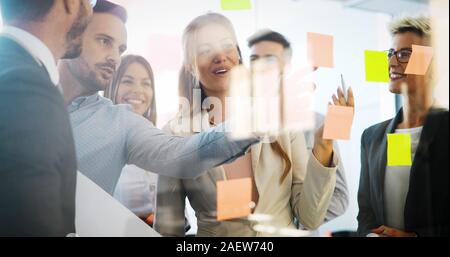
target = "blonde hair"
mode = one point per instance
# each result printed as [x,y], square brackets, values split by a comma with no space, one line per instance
[420,25]
[189,42]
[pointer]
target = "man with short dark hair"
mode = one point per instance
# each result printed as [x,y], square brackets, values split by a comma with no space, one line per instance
[37,154]
[266,44]
[108,136]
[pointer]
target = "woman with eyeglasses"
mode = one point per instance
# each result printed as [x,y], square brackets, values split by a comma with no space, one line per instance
[401,201]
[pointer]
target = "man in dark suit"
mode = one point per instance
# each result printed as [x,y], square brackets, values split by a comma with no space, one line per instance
[401,201]
[37,153]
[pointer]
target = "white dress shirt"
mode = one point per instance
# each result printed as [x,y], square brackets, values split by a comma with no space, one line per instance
[35,47]
[136,190]
[396,184]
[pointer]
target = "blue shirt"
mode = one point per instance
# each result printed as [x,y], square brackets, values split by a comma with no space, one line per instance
[107,137]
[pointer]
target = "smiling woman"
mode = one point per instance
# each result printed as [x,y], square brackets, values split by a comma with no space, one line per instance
[274,171]
[133,84]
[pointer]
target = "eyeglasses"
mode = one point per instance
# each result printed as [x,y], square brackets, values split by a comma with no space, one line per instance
[402,55]
[93,3]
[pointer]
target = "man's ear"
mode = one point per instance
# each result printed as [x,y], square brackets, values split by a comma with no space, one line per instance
[70,6]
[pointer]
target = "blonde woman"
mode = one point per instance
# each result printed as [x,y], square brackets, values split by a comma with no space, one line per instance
[288,182]
[134,85]
[407,201]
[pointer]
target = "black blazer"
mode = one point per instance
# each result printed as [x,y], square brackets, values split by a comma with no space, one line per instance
[37,153]
[426,208]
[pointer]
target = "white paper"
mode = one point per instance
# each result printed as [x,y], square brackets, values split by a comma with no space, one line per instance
[98,214]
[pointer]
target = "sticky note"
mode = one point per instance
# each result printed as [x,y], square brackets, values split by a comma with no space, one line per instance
[399,150]
[235,5]
[338,122]
[234,198]
[298,106]
[420,60]
[377,66]
[165,53]
[320,50]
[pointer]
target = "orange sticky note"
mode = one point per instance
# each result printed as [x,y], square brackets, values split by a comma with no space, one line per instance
[420,60]
[320,50]
[234,198]
[338,122]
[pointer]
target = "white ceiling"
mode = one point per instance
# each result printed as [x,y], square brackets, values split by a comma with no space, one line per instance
[391,7]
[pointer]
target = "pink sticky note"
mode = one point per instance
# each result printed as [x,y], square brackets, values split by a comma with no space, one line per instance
[298,107]
[420,60]
[234,198]
[163,52]
[320,50]
[338,122]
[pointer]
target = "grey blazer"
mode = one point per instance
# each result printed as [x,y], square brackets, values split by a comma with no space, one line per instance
[426,208]
[37,152]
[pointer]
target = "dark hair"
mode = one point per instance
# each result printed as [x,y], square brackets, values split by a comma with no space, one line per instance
[113,89]
[104,6]
[26,10]
[271,36]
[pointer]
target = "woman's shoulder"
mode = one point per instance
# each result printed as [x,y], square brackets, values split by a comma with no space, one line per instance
[373,132]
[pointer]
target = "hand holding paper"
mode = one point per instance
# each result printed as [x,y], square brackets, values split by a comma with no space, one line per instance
[338,124]
[339,119]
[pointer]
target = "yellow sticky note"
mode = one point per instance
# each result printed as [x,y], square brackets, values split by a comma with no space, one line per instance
[399,150]
[420,60]
[234,5]
[320,50]
[234,198]
[338,122]
[377,66]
